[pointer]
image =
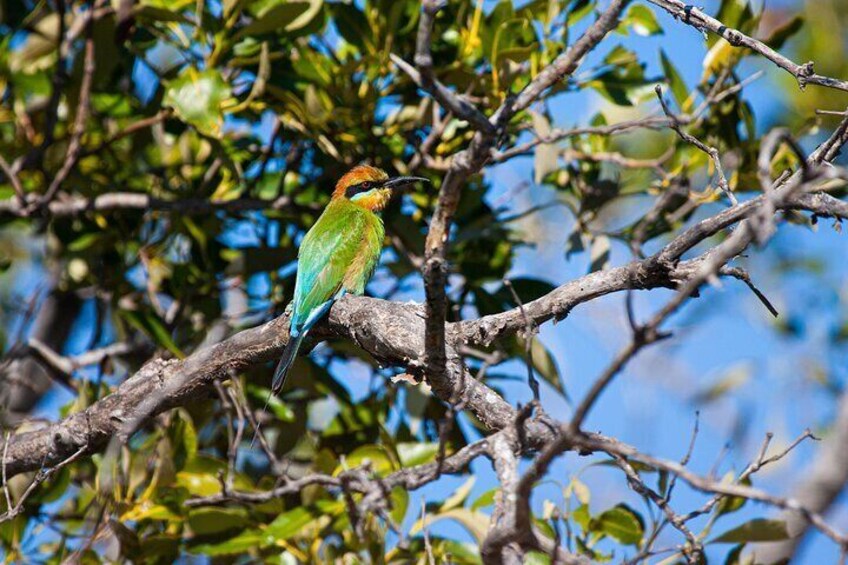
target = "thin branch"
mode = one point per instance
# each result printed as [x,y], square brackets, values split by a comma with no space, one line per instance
[530,332]
[117,201]
[13,179]
[759,225]
[695,549]
[566,63]
[83,108]
[129,130]
[712,152]
[696,18]
[469,162]
[422,73]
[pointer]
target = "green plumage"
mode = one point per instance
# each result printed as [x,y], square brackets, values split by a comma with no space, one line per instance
[340,252]
[338,255]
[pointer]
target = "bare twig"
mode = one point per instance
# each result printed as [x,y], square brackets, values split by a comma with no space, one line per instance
[530,332]
[422,73]
[13,179]
[83,108]
[712,152]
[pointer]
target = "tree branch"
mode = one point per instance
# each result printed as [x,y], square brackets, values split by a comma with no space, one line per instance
[116,201]
[694,17]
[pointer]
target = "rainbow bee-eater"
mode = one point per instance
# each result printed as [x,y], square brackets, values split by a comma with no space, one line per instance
[339,253]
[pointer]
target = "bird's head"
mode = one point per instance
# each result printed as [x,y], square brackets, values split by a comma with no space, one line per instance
[370,187]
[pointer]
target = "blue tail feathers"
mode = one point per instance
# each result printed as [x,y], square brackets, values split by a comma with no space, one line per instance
[299,329]
[286,361]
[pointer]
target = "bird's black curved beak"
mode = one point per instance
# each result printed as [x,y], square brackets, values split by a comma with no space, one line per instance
[400,182]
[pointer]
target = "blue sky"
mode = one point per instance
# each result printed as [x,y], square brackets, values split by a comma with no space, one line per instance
[651,403]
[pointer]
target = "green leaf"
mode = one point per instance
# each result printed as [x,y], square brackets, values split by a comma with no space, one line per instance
[738,14]
[53,489]
[196,97]
[730,504]
[734,556]
[400,504]
[459,496]
[287,525]
[485,499]
[642,20]
[621,523]
[211,520]
[152,326]
[582,517]
[200,476]
[280,15]
[240,544]
[537,558]
[476,523]
[281,410]
[579,10]
[675,82]
[377,455]
[622,78]
[543,363]
[149,511]
[417,453]
[352,25]
[756,530]
[183,438]
[84,241]
[198,484]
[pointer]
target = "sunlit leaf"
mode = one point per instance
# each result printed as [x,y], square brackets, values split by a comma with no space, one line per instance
[415,453]
[642,20]
[196,97]
[280,15]
[622,523]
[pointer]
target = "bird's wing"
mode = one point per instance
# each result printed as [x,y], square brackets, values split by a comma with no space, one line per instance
[325,256]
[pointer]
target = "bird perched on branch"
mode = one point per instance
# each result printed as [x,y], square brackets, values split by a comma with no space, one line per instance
[339,253]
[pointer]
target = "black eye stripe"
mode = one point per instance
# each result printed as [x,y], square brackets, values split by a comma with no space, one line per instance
[360,187]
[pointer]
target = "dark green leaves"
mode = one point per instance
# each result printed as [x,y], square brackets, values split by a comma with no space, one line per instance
[756,530]
[151,325]
[211,520]
[622,78]
[621,523]
[280,16]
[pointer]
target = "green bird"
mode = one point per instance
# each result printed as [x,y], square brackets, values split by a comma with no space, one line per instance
[339,253]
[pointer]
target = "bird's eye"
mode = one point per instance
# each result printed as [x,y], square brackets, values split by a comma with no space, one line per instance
[365,186]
